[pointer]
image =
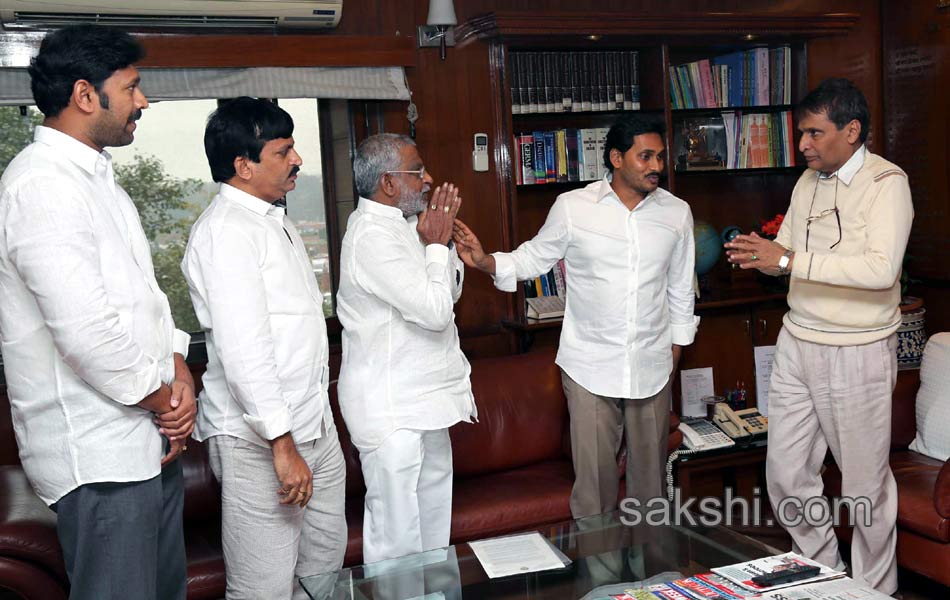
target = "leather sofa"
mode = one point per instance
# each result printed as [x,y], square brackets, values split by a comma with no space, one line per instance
[512,472]
[923,491]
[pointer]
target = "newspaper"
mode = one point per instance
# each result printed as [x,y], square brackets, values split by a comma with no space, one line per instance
[742,573]
[836,589]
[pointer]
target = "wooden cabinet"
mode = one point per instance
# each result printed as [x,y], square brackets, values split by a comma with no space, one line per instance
[727,338]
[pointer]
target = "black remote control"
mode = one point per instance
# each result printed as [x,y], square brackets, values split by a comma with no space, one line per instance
[786,575]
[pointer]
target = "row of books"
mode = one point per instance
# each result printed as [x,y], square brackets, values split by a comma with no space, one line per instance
[735,140]
[552,283]
[574,81]
[559,155]
[756,77]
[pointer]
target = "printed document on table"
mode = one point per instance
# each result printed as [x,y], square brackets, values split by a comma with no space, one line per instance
[696,385]
[516,554]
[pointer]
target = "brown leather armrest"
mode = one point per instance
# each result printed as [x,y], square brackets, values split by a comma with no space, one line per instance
[942,491]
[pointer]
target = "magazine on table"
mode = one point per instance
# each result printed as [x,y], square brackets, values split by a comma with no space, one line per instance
[742,573]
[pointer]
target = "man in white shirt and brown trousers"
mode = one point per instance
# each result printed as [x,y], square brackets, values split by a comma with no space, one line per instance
[628,250]
[404,380]
[842,242]
[264,407]
[90,349]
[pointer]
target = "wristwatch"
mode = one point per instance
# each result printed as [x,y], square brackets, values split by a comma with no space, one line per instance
[783,262]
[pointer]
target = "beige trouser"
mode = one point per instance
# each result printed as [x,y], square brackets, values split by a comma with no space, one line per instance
[597,427]
[836,397]
[268,546]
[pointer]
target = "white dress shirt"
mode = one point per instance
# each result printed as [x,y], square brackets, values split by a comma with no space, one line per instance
[402,365]
[258,303]
[86,332]
[629,285]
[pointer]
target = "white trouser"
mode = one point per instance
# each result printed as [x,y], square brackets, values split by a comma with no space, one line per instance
[268,545]
[408,494]
[836,397]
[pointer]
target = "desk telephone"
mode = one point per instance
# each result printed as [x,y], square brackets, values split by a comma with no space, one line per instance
[727,425]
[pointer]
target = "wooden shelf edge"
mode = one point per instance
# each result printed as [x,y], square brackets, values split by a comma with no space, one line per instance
[733,298]
[719,24]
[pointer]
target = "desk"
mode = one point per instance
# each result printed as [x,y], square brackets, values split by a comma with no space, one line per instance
[602,549]
[741,468]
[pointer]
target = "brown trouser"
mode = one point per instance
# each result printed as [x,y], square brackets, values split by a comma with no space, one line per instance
[597,427]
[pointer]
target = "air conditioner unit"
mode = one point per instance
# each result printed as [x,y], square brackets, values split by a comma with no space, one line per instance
[172,13]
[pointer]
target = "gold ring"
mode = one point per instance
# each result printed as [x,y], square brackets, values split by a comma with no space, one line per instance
[433,207]
[183,448]
[446,209]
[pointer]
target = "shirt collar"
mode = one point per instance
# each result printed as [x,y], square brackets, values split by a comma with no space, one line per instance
[607,191]
[252,203]
[83,156]
[377,208]
[849,169]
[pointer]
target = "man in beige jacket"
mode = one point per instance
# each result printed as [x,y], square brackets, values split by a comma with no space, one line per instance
[842,242]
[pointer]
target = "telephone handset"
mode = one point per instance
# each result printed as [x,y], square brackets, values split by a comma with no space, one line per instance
[700,435]
[739,424]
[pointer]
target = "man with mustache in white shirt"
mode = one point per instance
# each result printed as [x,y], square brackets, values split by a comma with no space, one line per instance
[629,255]
[404,380]
[264,412]
[90,349]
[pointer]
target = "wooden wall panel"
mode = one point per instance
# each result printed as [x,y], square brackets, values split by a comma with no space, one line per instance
[916,80]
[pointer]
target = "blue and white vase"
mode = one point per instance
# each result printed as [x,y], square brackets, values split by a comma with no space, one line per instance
[911,335]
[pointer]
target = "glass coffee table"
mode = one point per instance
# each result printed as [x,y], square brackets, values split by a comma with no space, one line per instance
[602,551]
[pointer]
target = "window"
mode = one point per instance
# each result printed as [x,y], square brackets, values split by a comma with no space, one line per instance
[166,174]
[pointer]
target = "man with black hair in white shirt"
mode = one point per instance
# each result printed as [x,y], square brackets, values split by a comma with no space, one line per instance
[629,255]
[264,412]
[90,350]
[404,380]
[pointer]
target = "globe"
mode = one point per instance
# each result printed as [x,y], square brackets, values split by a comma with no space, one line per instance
[708,246]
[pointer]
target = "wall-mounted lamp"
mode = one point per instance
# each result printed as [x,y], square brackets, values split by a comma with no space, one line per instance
[438,30]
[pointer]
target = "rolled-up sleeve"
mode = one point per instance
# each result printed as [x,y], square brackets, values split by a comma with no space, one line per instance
[180,343]
[51,242]
[682,300]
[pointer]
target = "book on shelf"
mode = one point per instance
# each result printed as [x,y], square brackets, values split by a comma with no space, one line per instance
[547,307]
[524,151]
[540,168]
[550,157]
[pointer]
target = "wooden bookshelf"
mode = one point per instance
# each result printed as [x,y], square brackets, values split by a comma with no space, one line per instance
[736,316]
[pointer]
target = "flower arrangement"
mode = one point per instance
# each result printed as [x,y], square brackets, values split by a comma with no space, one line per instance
[770,227]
